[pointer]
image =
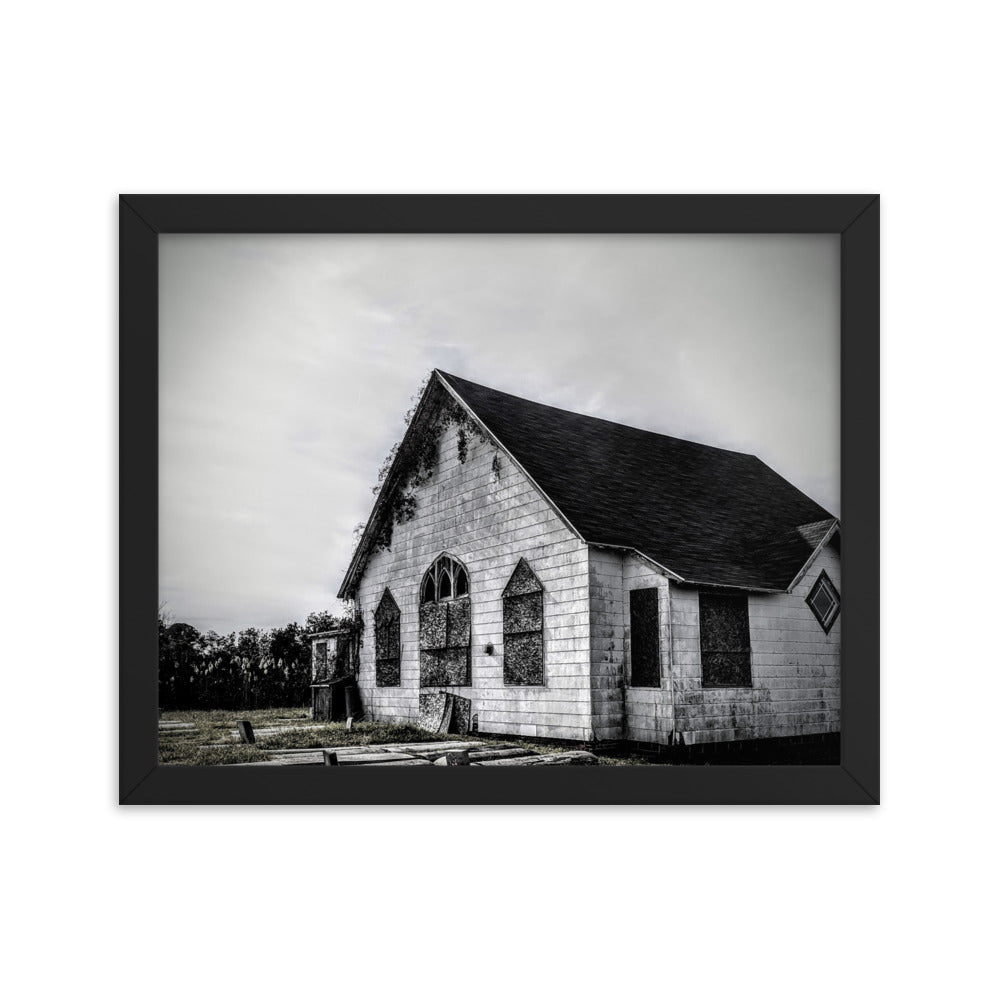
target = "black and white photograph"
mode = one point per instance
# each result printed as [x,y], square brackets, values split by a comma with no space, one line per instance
[499,500]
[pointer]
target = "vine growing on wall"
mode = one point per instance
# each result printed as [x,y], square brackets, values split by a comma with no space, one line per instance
[403,473]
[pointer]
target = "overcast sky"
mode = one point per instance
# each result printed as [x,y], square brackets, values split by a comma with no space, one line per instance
[287,363]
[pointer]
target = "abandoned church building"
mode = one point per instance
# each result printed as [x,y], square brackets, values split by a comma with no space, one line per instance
[578,579]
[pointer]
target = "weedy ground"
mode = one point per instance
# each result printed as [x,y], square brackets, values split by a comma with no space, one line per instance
[188,746]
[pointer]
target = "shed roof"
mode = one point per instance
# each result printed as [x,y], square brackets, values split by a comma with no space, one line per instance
[708,515]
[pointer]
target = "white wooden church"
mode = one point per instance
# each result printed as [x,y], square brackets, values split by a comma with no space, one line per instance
[578,579]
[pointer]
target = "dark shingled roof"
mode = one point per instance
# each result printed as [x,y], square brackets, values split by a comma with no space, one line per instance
[709,515]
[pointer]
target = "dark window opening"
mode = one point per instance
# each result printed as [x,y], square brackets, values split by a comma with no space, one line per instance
[321,664]
[725,640]
[446,578]
[644,632]
[522,628]
[824,601]
[387,642]
[342,656]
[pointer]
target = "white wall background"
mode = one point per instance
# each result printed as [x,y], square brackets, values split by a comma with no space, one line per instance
[769,97]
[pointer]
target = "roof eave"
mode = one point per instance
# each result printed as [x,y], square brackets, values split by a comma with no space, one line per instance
[831,531]
[326,633]
[659,567]
[749,588]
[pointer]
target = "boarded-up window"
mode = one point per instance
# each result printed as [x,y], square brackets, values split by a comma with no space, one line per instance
[725,640]
[387,642]
[522,628]
[445,625]
[644,632]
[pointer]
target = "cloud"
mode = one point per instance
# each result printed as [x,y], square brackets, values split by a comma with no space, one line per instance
[287,363]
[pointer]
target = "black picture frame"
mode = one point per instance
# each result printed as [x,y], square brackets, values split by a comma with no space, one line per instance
[143,217]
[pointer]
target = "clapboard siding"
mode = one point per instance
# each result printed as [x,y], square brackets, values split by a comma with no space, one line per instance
[620,710]
[795,665]
[606,644]
[489,524]
[795,668]
[649,710]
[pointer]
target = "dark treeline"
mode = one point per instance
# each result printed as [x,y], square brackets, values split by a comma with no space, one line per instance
[255,668]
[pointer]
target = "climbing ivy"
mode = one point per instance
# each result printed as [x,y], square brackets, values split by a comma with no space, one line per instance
[417,463]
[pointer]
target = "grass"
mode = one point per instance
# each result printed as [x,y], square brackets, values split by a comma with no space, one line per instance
[187,746]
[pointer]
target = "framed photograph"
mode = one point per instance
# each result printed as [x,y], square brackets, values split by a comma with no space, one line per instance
[623,547]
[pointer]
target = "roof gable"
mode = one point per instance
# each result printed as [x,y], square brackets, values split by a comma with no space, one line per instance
[706,515]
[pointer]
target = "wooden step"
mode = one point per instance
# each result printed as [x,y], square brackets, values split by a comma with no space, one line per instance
[278,730]
[435,748]
[499,753]
[354,759]
[280,762]
[574,757]
[411,762]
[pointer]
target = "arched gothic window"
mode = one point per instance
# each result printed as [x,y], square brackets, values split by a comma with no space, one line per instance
[445,624]
[387,641]
[445,580]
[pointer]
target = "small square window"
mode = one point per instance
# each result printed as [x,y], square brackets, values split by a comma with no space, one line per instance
[824,601]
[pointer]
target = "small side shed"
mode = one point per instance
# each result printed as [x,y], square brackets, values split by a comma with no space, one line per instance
[334,674]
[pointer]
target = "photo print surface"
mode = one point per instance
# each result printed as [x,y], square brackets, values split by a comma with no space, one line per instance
[499,500]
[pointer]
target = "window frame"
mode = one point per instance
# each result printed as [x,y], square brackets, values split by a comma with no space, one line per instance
[321,660]
[715,595]
[510,595]
[658,657]
[445,567]
[823,582]
[378,618]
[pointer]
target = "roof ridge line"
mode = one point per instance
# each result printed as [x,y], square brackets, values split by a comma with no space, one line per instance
[587,416]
